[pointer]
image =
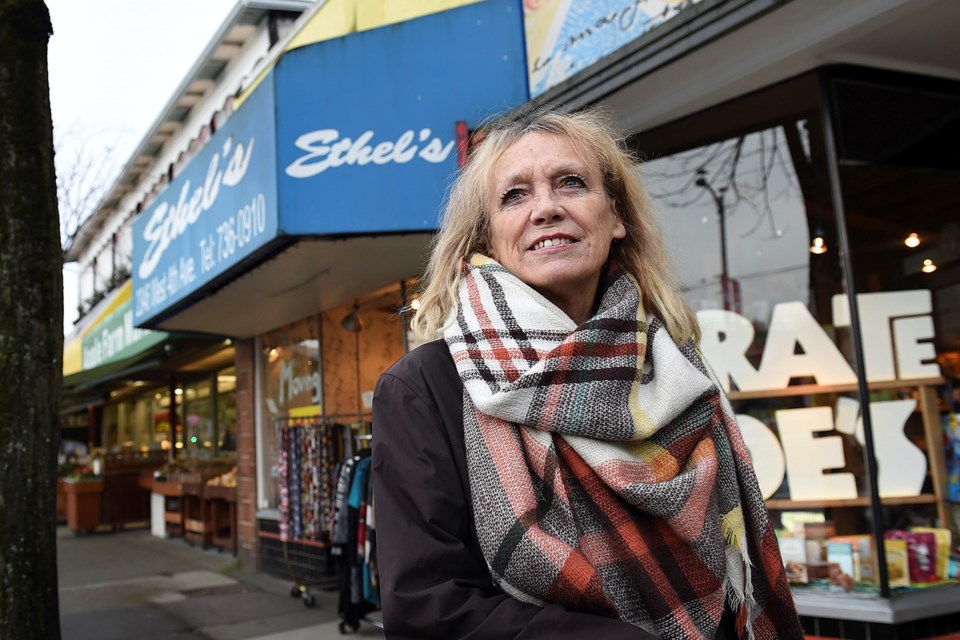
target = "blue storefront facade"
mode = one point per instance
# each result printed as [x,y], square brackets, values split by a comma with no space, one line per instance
[300,227]
[355,136]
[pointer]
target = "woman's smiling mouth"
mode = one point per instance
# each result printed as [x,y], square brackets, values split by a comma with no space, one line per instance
[551,242]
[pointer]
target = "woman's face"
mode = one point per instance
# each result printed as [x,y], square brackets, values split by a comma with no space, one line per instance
[551,222]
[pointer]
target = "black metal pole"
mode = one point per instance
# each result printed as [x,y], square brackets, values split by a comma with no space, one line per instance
[846,266]
[725,278]
[721,211]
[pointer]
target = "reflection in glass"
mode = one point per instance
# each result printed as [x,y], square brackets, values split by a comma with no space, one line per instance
[734,215]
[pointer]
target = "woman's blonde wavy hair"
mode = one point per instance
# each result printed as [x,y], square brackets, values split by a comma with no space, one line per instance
[464,228]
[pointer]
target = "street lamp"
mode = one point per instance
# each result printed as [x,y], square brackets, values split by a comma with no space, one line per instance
[721,212]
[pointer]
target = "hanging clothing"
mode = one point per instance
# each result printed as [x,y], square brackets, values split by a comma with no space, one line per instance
[283,483]
[306,473]
[349,540]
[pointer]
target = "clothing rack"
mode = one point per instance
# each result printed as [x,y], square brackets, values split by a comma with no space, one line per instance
[327,505]
[353,544]
[309,450]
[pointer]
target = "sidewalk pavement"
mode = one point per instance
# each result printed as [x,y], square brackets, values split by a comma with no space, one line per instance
[129,584]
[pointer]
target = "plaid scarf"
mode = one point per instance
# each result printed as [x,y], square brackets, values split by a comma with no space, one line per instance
[607,471]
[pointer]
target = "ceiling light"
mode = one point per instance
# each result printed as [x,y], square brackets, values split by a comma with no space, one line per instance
[912,240]
[928,266]
[818,245]
[351,322]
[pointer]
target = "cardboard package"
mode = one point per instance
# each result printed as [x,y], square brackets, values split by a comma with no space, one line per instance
[898,567]
[816,535]
[840,557]
[864,558]
[921,554]
[793,550]
[944,540]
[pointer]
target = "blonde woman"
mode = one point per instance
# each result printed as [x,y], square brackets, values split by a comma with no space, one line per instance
[562,464]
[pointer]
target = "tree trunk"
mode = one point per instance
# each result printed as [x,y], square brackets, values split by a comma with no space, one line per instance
[31,328]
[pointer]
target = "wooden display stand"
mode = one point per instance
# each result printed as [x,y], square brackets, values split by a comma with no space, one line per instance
[83,502]
[200,513]
[196,524]
[172,493]
[126,500]
[221,507]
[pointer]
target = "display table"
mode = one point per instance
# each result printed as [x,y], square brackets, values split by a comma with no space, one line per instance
[196,522]
[168,498]
[221,506]
[125,498]
[83,504]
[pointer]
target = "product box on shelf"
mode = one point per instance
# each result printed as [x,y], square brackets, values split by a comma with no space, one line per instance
[921,554]
[840,557]
[944,540]
[793,550]
[816,535]
[864,562]
[898,570]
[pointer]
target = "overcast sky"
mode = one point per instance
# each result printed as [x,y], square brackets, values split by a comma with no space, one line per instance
[114,64]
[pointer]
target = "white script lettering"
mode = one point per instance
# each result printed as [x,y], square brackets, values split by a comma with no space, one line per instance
[168,221]
[294,385]
[325,149]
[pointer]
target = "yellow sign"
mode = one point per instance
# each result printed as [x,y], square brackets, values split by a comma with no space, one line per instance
[73,351]
[337,18]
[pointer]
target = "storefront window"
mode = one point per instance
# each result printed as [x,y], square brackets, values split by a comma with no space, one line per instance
[744,199]
[136,424]
[898,169]
[207,416]
[290,387]
[198,435]
[328,366]
[227,409]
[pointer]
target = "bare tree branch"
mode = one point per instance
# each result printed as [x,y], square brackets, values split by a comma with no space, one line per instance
[86,167]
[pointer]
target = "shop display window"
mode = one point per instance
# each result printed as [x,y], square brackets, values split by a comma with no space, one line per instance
[325,365]
[206,416]
[898,171]
[227,409]
[198,433]
[290,386]
[745,198]
[135,424]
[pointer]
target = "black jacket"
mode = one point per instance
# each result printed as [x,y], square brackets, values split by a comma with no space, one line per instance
[433,578]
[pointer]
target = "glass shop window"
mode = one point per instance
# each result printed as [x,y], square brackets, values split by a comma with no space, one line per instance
[198,434]
[899,171]
[290,387]
[743,197]
[227,409]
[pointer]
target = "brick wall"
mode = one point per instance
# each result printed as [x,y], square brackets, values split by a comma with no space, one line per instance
[246,454]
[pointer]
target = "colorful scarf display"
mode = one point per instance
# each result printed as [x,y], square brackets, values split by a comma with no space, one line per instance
[306,471]
[606,467]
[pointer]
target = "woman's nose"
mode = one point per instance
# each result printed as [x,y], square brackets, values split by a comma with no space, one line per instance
[546,208]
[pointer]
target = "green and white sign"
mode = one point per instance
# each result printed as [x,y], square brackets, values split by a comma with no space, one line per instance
[114,337]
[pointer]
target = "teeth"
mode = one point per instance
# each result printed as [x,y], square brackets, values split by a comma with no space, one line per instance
[551,242]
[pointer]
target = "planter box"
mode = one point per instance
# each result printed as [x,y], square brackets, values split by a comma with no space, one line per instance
[83,500]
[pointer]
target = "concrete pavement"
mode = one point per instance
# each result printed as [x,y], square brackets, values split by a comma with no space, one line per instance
[129,584]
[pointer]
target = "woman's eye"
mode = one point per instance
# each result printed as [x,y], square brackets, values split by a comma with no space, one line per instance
[510,195]
[573,182]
